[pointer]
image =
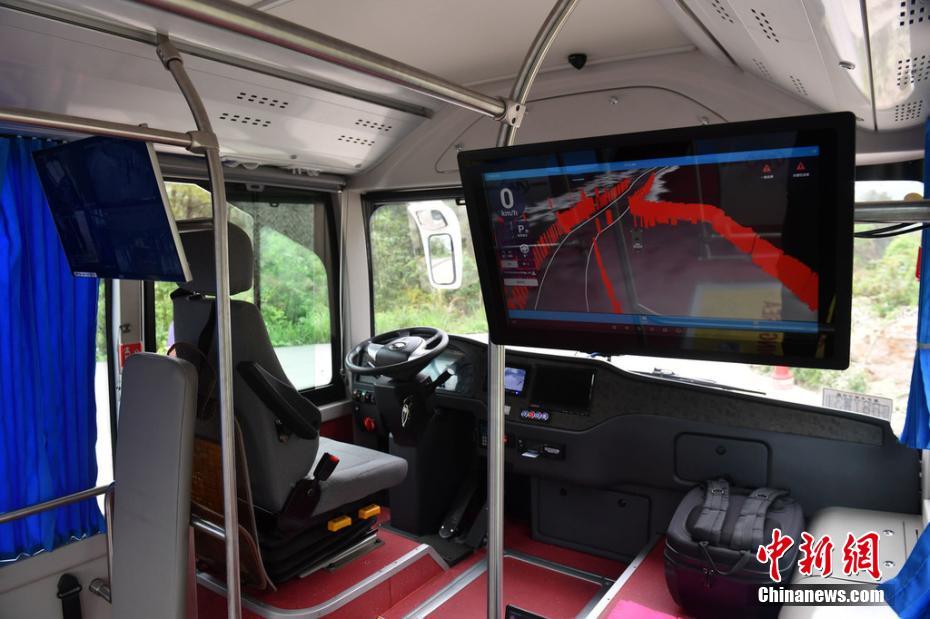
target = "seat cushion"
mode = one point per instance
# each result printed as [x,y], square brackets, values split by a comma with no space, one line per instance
[361,472]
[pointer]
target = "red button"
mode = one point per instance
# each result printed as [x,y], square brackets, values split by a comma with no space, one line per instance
[369,424]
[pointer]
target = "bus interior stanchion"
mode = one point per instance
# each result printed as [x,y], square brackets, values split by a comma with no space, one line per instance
[205,142]
[496,354]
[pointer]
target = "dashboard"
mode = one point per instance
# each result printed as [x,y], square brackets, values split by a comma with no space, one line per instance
[539,389]
[570,417]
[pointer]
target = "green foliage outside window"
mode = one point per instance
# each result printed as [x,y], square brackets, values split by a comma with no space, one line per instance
[403,296]
[293,287]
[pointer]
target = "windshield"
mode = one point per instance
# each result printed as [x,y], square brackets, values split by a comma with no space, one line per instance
[402,294]
[884,314]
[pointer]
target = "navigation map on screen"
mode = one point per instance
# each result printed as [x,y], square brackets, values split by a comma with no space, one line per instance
[712,241]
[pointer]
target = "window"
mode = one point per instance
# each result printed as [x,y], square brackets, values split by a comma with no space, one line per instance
[884,326]
[402,295]
[104,447]
[293,287]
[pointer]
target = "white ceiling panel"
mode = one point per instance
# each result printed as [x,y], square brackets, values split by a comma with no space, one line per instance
[481,40]
[56,67]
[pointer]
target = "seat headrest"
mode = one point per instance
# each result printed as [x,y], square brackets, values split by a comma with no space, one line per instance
[198,245]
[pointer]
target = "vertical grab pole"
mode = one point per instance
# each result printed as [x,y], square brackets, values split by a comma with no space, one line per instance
[204,141]
[496,358]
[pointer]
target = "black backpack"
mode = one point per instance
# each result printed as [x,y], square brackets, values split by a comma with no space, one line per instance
[710,548]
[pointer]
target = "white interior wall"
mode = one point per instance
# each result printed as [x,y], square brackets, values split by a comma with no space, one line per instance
[28,588]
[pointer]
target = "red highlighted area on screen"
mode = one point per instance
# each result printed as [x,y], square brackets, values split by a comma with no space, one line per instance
[578,241]
[795,275]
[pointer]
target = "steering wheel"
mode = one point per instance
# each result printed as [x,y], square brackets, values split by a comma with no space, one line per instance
[398,354]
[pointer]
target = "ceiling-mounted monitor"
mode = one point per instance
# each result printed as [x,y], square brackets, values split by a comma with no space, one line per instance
[109,204]
[725,242]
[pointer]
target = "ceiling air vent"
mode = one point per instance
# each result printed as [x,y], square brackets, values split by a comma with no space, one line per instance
[798,85]
[370,124]
[912,12]
[722,11]
[251,97]
[762,69]
[912,110]
[765,25]
[351,139]
[244,120]
[913,70]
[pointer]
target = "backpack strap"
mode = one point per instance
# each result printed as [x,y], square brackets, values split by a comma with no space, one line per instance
[749,530]
[709,524]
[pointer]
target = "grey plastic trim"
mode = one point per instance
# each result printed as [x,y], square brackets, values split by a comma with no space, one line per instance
[193,168]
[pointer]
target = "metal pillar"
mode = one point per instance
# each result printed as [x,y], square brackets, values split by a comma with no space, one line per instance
[496,357]
[206,143]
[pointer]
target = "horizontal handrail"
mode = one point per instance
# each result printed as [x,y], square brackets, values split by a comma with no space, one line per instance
[893,211]
[78,124]
[68,499]
[210,528]
[264,27]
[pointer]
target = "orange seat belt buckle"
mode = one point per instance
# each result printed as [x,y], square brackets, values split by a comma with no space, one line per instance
[368,511]
[335,524]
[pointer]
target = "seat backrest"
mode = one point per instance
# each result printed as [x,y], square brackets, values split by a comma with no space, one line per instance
[152,469]
[274,465]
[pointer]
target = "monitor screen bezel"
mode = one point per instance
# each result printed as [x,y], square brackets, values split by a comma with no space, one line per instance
[835,134]
[163,193]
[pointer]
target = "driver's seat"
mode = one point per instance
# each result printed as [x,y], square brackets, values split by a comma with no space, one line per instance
[279,427]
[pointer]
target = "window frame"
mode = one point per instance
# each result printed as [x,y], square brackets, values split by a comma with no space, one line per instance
[372,202]
[335,390]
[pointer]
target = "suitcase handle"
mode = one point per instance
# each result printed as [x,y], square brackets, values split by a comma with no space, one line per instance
[744,558]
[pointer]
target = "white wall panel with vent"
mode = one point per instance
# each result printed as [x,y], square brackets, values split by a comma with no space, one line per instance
[899,31]
[815,49]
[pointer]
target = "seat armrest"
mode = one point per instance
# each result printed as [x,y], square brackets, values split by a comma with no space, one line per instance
[295,412]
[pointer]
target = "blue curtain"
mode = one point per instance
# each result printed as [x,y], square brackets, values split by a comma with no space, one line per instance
[916,432]
[908,593]
[47,357]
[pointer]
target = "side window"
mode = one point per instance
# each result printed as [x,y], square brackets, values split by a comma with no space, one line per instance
[292,283]
[103,448]
[402,294]
[293,288]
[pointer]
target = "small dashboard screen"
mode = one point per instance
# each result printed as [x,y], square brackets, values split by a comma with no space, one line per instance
[557,386]
[514,380]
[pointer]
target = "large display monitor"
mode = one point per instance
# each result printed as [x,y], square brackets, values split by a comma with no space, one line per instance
[726,242]
[111,210]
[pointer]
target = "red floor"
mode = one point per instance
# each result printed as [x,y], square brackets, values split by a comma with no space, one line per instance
[532,588]
[323,585]
[645,595]
[518,537]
